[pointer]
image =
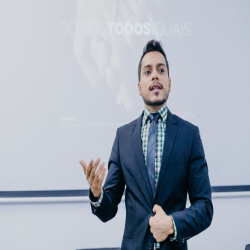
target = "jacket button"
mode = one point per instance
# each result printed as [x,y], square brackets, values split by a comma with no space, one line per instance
[149,246]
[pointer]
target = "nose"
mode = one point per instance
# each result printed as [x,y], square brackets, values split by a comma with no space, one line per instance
[155,76]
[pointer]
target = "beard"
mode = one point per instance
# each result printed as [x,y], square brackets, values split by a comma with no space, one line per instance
[155,103]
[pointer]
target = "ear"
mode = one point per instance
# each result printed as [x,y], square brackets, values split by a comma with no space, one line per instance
[169,83]
[139,88]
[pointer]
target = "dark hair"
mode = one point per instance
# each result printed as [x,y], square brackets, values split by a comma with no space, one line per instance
[152,45]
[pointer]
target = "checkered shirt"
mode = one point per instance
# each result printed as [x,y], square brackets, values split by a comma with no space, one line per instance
[161,127]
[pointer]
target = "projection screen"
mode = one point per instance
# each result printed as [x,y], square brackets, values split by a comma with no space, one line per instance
[69,75]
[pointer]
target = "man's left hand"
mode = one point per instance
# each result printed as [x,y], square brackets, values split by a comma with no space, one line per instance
[161,225]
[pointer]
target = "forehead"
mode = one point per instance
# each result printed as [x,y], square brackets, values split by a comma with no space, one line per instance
[153,58]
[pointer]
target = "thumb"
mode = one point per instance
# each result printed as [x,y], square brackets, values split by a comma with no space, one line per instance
[156,208]
[84,165]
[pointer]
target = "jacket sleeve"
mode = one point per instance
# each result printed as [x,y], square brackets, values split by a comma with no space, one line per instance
[95,201]
[193,220]
[113,187]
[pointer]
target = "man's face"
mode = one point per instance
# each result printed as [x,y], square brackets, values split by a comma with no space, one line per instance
[154,85]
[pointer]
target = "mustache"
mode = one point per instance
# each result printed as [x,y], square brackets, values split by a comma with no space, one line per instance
[158,83]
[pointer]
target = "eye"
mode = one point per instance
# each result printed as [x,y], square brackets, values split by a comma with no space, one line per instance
[161,70]
[147,72]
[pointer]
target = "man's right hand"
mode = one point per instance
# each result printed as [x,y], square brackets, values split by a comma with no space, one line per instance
[94,175]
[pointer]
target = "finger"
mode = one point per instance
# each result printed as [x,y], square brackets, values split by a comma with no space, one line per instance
[92,175]
[84,165]
[98,173]
[89,168]
[102,177]
[156,208]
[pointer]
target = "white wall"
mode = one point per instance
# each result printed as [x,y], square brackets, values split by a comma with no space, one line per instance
[65,226]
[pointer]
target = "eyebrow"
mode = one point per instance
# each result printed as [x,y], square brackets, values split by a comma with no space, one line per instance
[158,65]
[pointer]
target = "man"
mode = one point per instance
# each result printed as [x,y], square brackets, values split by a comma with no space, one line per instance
[160,158]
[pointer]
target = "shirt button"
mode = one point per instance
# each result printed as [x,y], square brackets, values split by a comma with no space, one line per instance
[149,246]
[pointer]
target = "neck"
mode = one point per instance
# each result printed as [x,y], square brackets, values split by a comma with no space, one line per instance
[153,109]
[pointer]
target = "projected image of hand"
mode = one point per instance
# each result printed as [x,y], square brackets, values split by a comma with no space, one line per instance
[94,175]
[105,50]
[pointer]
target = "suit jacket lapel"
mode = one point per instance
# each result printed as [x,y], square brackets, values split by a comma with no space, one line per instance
[170,133]
[139,153]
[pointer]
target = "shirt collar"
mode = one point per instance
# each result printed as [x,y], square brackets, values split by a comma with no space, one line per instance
[162,111]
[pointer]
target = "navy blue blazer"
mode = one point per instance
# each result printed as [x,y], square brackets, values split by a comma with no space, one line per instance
[183,170]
